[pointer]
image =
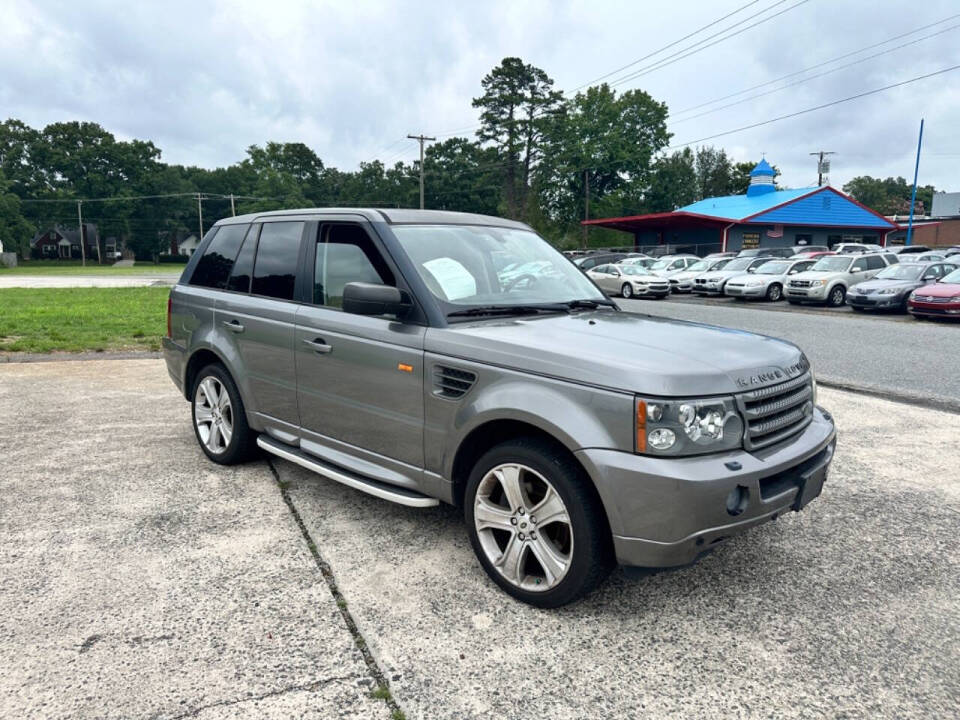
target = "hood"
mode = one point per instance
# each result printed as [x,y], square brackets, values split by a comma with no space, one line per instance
[625,351]
[873,285]
[723,274]
[940,289]
[645,278]
[744,277]
[687,275]
[817,274]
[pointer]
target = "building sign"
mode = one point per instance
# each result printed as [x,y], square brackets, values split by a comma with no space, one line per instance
[751,240]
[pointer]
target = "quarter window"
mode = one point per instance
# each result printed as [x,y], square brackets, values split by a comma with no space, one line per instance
[214,267]
[275,270]
[345,254]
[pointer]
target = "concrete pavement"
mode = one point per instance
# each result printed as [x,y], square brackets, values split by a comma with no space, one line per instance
[139,580]
[103,281]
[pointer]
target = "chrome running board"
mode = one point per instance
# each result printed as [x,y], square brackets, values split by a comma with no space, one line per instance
[399,495]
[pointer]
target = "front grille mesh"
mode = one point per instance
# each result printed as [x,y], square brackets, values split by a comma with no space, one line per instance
[775,413]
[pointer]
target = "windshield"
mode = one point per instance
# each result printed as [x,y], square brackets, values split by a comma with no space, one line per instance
[740,263]
[700,266]
[458,264]
[633,270]
[953,277]
[833,263]
[662,264]
[900,272]
[774,268]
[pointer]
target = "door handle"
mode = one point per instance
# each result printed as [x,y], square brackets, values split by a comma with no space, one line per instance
[233,325]
[319,346]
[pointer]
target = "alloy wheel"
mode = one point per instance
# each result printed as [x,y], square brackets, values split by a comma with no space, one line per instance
[523,527]
[627,291]
[213,414]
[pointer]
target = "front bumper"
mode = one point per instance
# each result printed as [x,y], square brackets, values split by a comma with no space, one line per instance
[708,289]
[681,286]
[928,309]
[874,301]
[756,291]
[810,294]
[666,512]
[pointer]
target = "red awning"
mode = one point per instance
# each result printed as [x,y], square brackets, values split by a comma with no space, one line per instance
[658,221]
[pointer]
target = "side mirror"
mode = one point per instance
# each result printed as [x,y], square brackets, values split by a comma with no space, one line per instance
[751,270]
[615,273]
[360,298]
[929,277]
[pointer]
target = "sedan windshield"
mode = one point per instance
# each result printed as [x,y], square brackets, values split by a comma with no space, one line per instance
[633,270]
[458,264]
[953,277]
[774,268]
[662,264]
[700,266]
[834,263]
[740,263]
[900,272]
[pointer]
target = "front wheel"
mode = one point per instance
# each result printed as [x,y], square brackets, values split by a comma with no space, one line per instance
[536,523]
[219,420]
[775,292]
[626,291]
[836,297]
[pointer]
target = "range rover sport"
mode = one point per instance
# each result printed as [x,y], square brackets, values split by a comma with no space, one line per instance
[395,352]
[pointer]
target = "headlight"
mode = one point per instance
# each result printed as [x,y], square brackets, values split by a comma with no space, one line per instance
[913,294]
[816,283]
[687,427]
[753,283]
[886,291]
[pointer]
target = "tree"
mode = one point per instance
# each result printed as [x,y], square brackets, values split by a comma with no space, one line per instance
[15,231]
[603,142]
[675,182]
[714,173]
[517,103]
[461,175]
[890,196]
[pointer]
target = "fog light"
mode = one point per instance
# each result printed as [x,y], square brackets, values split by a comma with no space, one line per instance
[662,438]
[737,500]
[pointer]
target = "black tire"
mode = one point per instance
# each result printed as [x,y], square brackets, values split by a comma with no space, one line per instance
[243,443]
[592,556]
[837,296]
[775,292]
[626,291]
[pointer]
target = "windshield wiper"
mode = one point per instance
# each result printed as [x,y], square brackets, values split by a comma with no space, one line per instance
[590,304]
[531,309]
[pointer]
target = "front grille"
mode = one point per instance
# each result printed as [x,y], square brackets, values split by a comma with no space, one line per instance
[799,283]
[701,281]
[452,383]
[775,413]
[932,299]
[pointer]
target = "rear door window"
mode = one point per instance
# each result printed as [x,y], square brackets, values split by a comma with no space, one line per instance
[243,267]
[275,269]
[214,267]
[875,262]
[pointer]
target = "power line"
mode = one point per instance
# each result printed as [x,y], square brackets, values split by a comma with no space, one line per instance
[816,107]
[814,67]
[812,77]
[675,42]
[694,49]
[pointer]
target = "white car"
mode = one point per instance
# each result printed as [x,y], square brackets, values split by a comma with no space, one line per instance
[713,282]
[682,282]
[628,281]
[828,281]
[855,248]
[766,281]
[670,265]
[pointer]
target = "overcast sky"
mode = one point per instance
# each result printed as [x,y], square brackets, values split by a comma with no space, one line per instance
[204,80]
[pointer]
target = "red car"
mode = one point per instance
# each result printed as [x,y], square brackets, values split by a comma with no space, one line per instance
[942,299]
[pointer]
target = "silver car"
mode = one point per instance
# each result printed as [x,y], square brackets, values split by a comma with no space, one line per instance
[629,281]
[713,282]
[670,265]
[682,282]
[381,350]
[767,281]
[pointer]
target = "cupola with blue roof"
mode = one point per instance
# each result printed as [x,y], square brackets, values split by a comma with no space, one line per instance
[761,179]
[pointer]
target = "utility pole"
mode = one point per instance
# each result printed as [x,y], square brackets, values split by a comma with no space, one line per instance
[586,205]
[200,213]
[913,193]
[820,166]
[233,208]
[83,250]
[421,139]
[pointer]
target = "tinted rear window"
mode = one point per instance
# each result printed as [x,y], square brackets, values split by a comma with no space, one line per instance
[275,271]
[243,267]
[217,261]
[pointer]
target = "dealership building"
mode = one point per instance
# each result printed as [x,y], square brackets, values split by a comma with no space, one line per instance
[763,217]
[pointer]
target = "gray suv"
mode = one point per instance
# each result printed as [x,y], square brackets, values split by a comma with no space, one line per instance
[383,349]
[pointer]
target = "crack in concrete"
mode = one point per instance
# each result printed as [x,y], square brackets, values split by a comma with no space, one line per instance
[372,666]
[306,687]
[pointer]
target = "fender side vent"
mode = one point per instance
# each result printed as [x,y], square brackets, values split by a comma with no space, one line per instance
[452,383]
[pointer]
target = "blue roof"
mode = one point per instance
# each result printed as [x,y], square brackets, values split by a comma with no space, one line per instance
[762,168]
[737,207]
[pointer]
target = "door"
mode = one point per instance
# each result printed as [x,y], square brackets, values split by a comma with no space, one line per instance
[256,315]
[359,378]
[859,271]
[600,277]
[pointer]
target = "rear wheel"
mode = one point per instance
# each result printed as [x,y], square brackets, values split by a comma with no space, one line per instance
[775,292]
[219,419]
[627,291]
[837,295]
[536,523]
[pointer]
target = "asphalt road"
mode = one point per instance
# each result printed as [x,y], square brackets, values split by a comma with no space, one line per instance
[886,353]
[139,580]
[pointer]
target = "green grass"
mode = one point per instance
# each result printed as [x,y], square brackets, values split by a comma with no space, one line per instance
[82,319]
[73,267]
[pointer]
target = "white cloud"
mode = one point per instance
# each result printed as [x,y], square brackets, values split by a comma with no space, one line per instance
[351,79]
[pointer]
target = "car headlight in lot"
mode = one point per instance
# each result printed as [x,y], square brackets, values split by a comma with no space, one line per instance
[817,283]
[753,283]
[886,291]
[687,427]
[913,294]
